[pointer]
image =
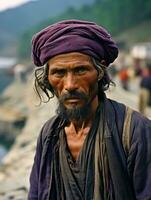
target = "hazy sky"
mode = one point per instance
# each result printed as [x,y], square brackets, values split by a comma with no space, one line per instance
[5,4]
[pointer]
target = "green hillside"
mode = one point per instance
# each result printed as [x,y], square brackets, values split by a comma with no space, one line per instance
[136,34]
[126,20]
[14,22]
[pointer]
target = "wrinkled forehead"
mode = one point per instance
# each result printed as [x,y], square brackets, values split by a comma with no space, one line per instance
[74,58]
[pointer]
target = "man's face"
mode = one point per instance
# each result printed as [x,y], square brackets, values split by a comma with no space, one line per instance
[74,79]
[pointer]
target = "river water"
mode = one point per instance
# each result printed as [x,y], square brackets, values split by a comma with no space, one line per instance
[6,78]
[6,73]
[7,62]
[3,152]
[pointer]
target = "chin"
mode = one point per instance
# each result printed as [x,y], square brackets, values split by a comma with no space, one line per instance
[74,112]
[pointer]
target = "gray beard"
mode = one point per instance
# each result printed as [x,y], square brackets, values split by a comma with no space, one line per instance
[75,114]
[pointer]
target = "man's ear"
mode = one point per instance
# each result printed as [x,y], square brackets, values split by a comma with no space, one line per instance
[101,70]
[100,74]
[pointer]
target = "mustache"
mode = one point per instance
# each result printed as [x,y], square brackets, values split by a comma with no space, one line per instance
[73,94]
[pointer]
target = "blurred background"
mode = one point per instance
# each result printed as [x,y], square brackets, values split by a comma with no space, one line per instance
[129,22]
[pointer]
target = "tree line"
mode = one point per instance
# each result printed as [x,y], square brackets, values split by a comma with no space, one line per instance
[115,15]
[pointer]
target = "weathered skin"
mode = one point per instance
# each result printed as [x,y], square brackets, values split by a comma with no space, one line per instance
[75,72]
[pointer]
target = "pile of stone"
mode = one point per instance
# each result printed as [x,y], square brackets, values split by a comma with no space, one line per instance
[16,165]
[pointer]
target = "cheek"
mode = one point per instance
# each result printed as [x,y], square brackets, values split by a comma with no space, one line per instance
[55,85]
[93,88]
[90,85]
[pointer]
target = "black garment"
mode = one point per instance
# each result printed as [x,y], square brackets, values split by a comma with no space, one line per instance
[137,165]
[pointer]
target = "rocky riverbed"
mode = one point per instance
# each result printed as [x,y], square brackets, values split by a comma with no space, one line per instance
[16,165]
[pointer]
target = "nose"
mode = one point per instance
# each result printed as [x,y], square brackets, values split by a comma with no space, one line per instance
[70,83]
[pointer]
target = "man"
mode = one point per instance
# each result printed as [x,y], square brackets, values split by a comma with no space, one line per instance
[94,148]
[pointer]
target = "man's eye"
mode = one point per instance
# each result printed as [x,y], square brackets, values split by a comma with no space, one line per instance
[80,70]
[59,73]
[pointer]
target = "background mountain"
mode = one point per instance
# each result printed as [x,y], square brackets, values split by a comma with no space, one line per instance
[128,21]
[23,17]
[119,17]
[14,22]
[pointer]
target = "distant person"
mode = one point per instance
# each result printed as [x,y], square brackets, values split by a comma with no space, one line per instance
[137,67]
[19,72]
[124,78]
[145,89]
[94,147]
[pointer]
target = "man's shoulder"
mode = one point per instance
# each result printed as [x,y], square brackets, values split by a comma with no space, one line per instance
[120,107]
[139,119]
[116,108]
[136,118]
[117,105]
[50,126]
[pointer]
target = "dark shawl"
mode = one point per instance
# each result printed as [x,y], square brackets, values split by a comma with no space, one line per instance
[127,172]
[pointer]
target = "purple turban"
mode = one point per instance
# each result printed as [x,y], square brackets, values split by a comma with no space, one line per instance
[73,36]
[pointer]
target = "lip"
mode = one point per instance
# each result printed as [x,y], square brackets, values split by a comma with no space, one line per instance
[73,100]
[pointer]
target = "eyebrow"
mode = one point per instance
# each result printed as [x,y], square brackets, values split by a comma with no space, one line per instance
[75,65]
[64,67]
[53,70]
